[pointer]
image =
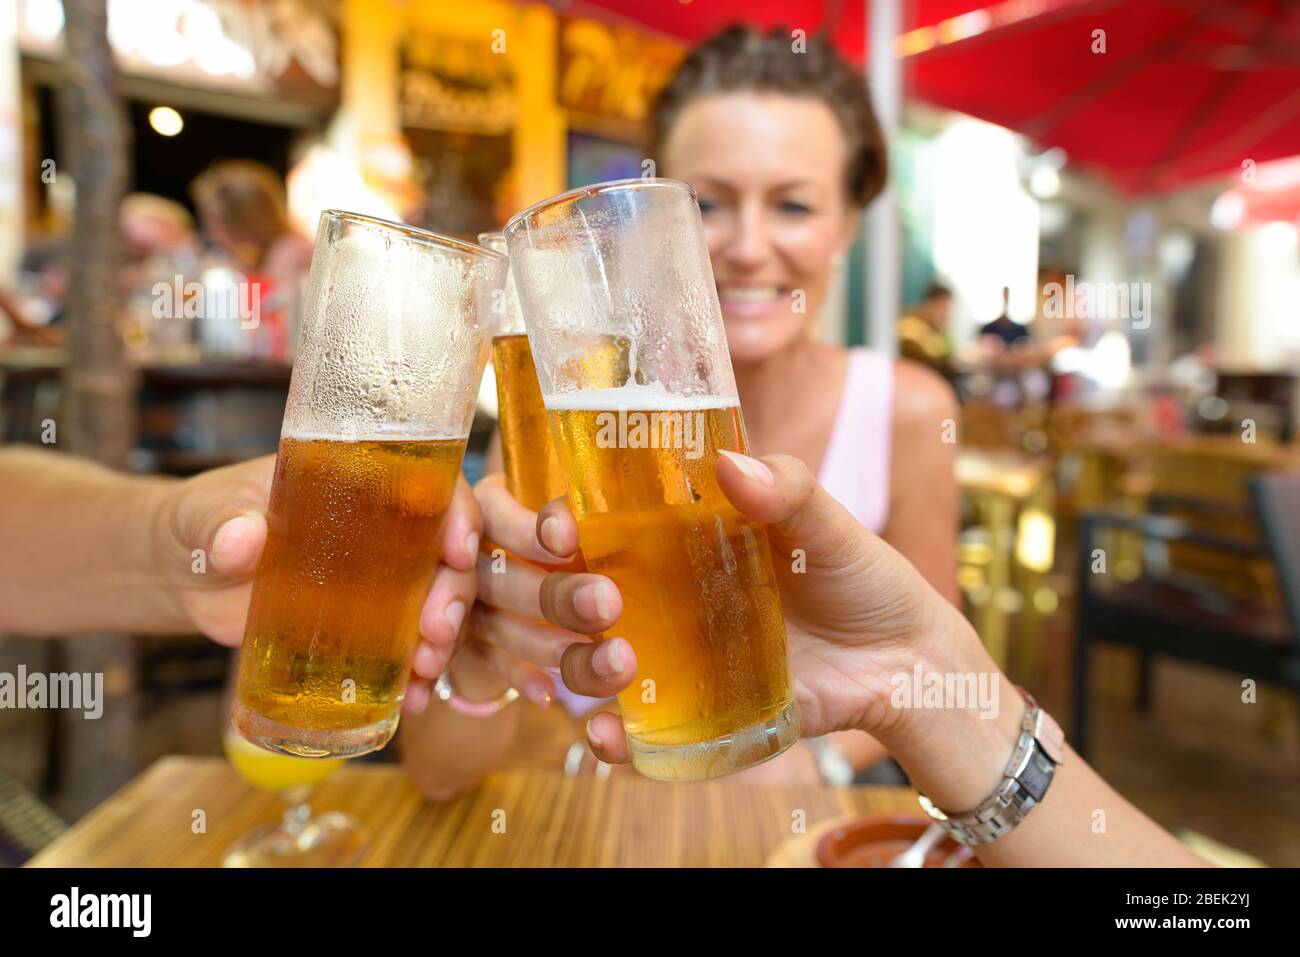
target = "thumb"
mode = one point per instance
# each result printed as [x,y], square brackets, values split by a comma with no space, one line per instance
[238,543]
[222,513]
[855,583]
[782,493]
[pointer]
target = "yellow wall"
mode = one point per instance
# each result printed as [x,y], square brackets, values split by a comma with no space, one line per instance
[371,32]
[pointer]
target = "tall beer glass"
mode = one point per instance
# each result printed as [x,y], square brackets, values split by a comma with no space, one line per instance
[532,472]
[631,355]
[395,334]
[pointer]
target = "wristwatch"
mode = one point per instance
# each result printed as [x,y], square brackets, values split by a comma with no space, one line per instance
[1040,749]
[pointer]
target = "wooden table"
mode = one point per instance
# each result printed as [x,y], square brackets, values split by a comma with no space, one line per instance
[549,820]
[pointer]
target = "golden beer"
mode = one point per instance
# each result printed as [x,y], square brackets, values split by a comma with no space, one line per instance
[532,472]
[700,604]
[334,620]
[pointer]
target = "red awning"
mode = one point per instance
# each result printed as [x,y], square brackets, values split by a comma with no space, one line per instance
[1184,90]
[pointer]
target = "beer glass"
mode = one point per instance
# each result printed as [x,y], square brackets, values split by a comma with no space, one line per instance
[631,354]
[532,472]
[395,334]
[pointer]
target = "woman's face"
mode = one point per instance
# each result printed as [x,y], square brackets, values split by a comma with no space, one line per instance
[769,172]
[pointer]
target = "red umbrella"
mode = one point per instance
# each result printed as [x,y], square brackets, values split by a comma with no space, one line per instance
[1271,194]
[1183,90]
[1153,94]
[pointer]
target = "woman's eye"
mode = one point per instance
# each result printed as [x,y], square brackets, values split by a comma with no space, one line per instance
[707,205]
[793,208]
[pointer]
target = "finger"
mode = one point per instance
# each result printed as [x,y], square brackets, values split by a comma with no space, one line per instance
[512,584]
[450,598]
[530,639]
[508,523]
[557,530]
[780,492]
[598,669]
[529,680]
[606,738]
[431,660]
[462,529]
[418,694]
[581,602]
[238,543]
[222,514]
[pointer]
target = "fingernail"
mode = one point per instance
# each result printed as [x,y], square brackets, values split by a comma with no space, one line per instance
[471,544]
[592,737]
[232,528]
[425,657]
[549,533]
[549,530]
[536,692]
[455,615]
[752,468]
[608,661]
[598,594]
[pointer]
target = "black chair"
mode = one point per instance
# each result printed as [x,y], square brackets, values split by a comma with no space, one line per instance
[1165,612]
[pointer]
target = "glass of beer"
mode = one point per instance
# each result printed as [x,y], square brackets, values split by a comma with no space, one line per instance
[395,334]
[631,355]
[532,472]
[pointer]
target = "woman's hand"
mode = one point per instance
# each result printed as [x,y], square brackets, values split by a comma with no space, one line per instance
[207,536]
[516,598]
[857,613]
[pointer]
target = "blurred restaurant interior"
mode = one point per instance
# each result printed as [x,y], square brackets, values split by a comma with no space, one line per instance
[1090,232]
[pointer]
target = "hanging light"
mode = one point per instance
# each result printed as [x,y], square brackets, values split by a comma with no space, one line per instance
[165,121]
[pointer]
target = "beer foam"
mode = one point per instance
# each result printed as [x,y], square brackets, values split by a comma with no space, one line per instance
[652,397]
[396,434]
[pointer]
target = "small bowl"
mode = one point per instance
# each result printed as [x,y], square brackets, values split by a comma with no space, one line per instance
[875,840]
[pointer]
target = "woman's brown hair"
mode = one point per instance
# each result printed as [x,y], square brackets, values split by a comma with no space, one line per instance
[743,59]
[247,197]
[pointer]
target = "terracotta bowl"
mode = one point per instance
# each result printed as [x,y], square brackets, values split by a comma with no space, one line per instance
[875,840]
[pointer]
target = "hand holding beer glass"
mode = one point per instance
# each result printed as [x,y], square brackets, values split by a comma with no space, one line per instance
[628,340]
[394,338]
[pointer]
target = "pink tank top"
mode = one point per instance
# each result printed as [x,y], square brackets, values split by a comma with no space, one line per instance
[855,467]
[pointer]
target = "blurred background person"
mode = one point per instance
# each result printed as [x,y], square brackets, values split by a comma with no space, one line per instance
[35,306]
[243,214]
[1004,332]
[255,252]
[923,331]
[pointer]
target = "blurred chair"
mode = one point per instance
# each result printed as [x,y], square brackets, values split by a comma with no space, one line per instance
[26,825]
[1006,554]
[1168,611]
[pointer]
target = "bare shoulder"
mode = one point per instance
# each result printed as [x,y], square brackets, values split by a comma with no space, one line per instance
[921,397]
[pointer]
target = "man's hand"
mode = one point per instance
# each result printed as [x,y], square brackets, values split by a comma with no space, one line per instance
[216,522]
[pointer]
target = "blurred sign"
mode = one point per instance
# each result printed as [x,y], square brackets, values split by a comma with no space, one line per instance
[248,45]
[455,83]
[612,72]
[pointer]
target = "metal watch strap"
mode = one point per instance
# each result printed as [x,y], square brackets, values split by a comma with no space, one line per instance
[1039,749]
